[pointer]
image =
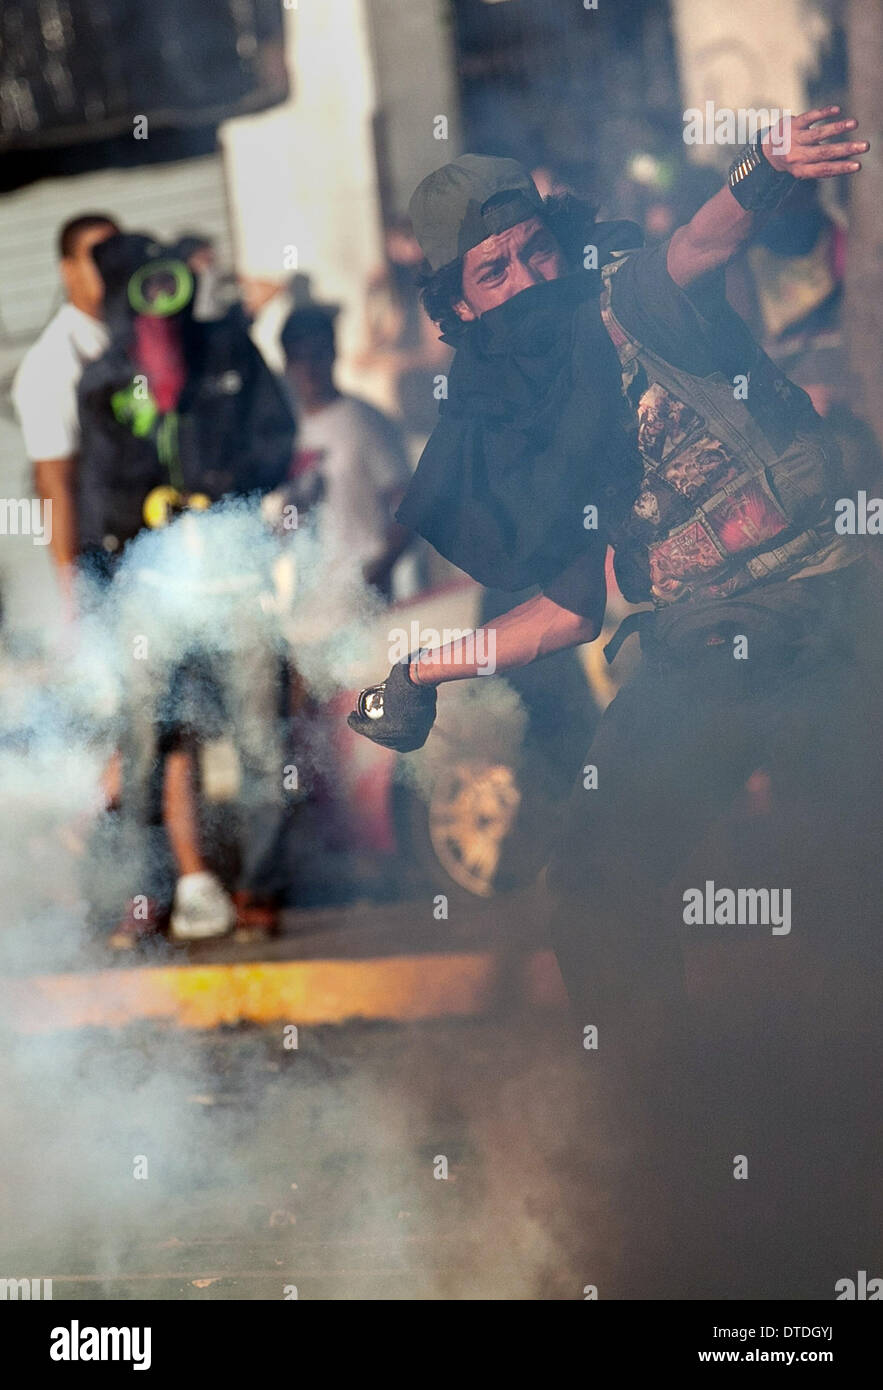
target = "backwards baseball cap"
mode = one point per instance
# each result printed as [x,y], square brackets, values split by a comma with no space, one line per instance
[474,197]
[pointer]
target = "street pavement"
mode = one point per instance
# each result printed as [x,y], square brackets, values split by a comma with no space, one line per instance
[460,1156]
[370,1162]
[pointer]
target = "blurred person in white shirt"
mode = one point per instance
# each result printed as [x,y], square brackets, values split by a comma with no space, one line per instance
[348,455]
[45,388]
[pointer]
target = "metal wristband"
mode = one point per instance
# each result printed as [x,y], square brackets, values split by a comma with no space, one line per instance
[753,182]
[414,660]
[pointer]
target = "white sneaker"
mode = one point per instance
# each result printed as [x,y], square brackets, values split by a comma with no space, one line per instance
[202,909]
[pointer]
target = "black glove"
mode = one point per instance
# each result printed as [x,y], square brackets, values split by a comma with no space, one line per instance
[397,714]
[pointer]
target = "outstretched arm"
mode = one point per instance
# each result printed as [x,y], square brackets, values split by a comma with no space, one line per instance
[570,612]
[800,147]
[533,629]
[400,712]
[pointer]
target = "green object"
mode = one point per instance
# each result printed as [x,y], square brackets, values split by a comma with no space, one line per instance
[463,203]
[142,416]
[167,448]
[166,303]
[138,412]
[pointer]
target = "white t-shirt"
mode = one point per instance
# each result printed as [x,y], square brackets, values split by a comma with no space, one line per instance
[45,388]
[360,456]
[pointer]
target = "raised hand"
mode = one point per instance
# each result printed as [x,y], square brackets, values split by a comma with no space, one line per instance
[802,145]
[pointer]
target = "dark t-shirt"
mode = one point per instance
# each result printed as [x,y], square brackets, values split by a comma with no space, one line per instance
[695,329]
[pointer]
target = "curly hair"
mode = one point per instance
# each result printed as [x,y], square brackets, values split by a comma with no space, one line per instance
[569,219]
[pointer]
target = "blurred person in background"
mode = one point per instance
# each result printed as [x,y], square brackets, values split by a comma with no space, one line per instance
[262,305]
[348,455]
[400,339]
[45,397]
[177,415]
[794,266]
[215,292]
[266,305]
[789,288]
[45,387]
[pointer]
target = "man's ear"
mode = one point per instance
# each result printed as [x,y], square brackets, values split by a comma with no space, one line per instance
[66,269]
[463,311]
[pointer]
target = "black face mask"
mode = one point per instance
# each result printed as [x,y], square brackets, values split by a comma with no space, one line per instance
[142,277]
[532,433]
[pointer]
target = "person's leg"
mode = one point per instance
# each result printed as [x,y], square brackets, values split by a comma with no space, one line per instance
[158,799]
[772,1086]
[251,673]
[143,847]
[111,781]
[202,907]
[669,755]
[812,1065]
[181,811]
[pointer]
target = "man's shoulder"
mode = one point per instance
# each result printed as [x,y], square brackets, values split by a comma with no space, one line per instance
[641,262]
[45,387]
[694,328]
[54,346]
[67,343]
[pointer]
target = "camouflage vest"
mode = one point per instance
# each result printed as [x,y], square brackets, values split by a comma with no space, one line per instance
[735,493]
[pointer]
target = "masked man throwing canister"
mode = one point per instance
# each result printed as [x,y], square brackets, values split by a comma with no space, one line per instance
[603,395]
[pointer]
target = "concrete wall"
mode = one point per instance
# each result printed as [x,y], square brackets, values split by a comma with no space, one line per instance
[304,174]
[412,50]
[307,173]
[752,54]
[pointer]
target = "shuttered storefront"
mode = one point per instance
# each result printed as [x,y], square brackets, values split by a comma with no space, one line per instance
[162,199]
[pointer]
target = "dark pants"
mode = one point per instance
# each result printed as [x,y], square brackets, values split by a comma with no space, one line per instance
[193,669]
[673,751]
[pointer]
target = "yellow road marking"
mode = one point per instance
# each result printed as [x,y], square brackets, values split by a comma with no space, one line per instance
[401,988]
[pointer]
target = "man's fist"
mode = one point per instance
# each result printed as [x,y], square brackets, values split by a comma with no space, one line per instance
[397,714]
[802,145]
